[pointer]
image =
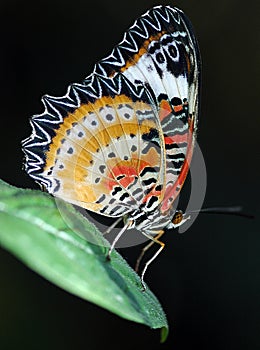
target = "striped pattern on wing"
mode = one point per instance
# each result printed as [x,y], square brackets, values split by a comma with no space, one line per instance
[103,154]
[160,53]
[122,140]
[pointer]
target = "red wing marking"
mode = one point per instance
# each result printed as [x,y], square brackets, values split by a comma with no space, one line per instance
[165,109]
[178,108]
[175,139]
[173,191]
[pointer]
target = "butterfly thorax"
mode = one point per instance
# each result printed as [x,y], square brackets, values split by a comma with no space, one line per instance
[150,223]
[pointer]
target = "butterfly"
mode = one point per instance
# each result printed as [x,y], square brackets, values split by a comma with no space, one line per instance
[120,143]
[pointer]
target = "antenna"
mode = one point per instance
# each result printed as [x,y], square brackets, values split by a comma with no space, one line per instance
[237,210]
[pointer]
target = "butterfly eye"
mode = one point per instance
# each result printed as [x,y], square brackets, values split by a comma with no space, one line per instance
[177,217]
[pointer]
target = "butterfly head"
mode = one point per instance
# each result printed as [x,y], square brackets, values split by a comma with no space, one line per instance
[179,218]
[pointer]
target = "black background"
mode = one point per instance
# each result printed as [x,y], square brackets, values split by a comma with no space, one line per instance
[206,279]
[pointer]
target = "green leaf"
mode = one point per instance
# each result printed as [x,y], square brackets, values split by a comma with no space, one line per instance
[32,228]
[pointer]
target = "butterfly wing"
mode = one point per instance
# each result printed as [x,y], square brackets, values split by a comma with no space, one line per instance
[120,140]
[161,53]
[99,149]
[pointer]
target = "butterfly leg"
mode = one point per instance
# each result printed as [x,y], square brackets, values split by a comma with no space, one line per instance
[126,226]
[154,240]
[110,228]
[144,250]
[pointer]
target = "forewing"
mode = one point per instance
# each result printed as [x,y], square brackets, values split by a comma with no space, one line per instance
[160,52]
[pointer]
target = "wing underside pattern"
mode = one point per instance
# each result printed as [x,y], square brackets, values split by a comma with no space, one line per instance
[124,137]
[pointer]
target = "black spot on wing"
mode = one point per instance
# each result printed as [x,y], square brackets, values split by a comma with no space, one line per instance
[151,201]
[149,169]
[149,181]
